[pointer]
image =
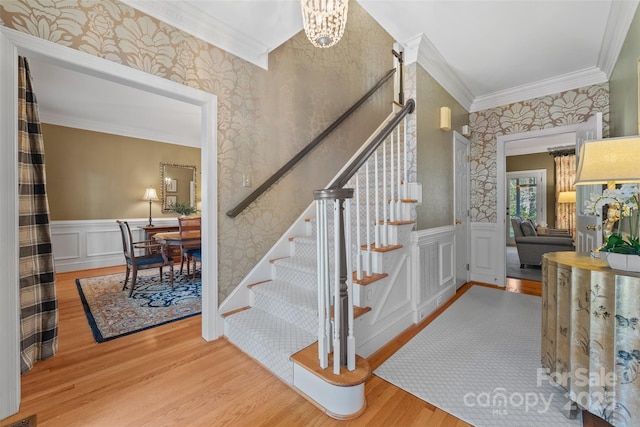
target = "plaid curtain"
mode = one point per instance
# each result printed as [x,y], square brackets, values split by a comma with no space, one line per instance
[565,177]
[38,303]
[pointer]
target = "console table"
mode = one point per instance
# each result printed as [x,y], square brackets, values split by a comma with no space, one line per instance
[150,231]
[591,334]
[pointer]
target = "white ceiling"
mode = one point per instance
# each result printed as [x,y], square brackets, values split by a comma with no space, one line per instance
[485,53]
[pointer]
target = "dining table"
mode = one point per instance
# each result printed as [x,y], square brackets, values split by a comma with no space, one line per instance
[166,240]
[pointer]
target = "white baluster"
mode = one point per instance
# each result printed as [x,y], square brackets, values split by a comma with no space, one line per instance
[385,199]
[392,211]
[351,341]
[399,171]
[378,236]
[336,288]
[358,238]
[405,122]
[321,247]
[368,223]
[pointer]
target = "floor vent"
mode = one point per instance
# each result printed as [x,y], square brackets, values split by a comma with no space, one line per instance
[26,422]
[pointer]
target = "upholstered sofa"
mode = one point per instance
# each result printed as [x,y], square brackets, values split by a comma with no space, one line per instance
[531,245]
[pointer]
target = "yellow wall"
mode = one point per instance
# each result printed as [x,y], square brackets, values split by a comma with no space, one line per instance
[623,85]
[435,151]
[538,161]
[93,175]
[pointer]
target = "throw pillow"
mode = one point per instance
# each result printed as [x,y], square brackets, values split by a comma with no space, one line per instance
[528,229]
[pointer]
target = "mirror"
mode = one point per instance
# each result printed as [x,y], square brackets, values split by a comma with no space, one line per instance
[178,185]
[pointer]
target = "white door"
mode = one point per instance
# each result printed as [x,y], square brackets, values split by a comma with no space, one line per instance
[588,227]
[526,198]
[461,207]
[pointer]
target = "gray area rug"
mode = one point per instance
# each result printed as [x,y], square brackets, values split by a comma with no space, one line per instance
[514,270]
[480,361]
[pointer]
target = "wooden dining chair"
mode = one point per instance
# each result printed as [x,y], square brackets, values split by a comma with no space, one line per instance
[196,256]
[188,223]
[141,262]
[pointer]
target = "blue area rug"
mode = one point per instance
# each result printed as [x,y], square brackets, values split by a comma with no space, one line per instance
[112,314]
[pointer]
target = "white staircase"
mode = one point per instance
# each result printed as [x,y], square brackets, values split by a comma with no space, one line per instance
[283,317]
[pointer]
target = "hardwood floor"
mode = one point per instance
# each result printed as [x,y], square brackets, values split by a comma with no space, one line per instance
[169,376]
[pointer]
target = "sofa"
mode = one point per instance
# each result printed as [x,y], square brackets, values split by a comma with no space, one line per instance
[531,245]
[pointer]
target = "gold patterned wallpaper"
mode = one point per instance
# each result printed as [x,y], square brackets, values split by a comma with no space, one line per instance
[566,108]
[264,117]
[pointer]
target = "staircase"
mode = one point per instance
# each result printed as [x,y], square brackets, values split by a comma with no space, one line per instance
[282,322]
[283,317]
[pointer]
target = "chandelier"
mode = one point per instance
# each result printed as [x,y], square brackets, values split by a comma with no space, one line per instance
[324,20]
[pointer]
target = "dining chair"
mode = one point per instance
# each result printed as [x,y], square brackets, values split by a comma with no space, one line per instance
[196,256]
[134,262]
[188,223]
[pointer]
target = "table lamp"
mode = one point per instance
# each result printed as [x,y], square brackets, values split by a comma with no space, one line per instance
[609,161]
[567,197]
[150,195]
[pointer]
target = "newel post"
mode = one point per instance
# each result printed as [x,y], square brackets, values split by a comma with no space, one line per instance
[342,323]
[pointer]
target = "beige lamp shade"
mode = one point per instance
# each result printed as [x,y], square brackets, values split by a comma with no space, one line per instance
[609,160]
[150,195]
[567,197]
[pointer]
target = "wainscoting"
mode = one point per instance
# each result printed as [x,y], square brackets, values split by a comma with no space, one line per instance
[487,253]
[80,245]
[434,273]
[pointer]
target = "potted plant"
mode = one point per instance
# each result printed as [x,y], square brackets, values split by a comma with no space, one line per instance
[621,248]
[183,208]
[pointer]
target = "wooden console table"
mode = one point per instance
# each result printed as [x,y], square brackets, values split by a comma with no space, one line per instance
[591,334]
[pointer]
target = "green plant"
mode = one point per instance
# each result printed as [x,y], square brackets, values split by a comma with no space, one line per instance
[622,204]
[183,208]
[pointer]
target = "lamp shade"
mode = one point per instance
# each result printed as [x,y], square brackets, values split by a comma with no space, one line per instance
[609,160]
[150,195]
[445,118]
[567,197]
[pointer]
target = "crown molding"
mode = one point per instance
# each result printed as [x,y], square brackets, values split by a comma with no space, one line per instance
[213,31]
[587,77]
[618,22]
[421,50]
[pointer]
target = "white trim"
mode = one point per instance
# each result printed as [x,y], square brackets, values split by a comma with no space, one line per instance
[619,20]
[187,18]
[501,172]
[9,294]
[13,43]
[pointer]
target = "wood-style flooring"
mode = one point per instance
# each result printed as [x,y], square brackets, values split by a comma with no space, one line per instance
[170,376]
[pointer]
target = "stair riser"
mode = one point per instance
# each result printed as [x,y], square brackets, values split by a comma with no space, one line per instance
[278,363]
[305,319]
[296,277]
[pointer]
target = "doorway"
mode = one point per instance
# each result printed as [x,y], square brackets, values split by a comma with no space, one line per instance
[526,195]
[12,44]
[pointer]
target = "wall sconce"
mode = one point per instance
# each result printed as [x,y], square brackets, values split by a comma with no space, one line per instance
[466,131]
[445,118]
[150,195]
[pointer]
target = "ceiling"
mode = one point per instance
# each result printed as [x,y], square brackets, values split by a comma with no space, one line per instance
[485,53]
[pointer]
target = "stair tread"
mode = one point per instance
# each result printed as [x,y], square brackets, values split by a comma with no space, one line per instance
[272,331]
[299,296]
[308,265]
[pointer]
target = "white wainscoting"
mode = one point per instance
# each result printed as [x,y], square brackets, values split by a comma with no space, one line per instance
[80,245]
[487,253]
[434,269]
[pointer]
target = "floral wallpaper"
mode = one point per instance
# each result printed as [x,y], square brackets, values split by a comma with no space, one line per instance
[566,108]
[264,117]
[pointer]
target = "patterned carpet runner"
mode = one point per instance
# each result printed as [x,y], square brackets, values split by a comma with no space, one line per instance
[480,361]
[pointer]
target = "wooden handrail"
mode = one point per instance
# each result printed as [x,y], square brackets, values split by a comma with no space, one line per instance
[350,170]
[306,150]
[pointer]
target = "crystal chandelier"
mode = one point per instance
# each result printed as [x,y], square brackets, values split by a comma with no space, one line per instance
[324,20]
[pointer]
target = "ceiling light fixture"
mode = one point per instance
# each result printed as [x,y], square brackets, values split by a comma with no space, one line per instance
[324,20]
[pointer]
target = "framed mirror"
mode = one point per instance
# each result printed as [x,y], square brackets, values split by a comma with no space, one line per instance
[177,184]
